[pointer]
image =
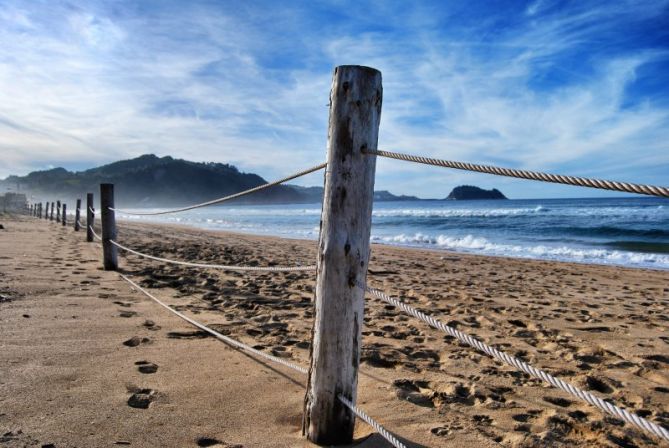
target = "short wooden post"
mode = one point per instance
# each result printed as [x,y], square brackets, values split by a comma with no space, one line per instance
[343,254]
[108,221]
[77,215]
[52,207]
[90,217]
[64,215]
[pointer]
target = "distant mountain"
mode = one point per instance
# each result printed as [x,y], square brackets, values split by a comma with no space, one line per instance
[469,192]
[385,195]
[151,181]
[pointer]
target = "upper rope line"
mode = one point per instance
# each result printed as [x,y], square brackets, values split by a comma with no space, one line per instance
[229,197]
[233,342]
[589,398]
[626,187]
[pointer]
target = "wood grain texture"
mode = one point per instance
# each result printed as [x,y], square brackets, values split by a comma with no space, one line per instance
[90,217]
[108,221]
[343,253]
[77,215]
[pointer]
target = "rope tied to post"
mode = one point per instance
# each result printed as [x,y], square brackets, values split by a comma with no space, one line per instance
[244,347]
[626,187]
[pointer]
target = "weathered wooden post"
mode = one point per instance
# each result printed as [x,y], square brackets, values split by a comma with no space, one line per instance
[108,221]
[52,207]
[343,254]
[64,215]
[77,215]
[46,211]
[90,217]
[57,211]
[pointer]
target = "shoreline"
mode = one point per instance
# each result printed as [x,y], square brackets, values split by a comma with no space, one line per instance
[602,328]
[447,252]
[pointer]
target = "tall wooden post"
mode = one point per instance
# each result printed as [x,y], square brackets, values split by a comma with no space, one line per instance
[46,211]
[64,214]
[90,217]
[52,207]
[77,215]
[57,211]
[343,254]
[108,221]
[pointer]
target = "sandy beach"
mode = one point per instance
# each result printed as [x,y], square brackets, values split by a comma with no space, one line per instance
[85,360]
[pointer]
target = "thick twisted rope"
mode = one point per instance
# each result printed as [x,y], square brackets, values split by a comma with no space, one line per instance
[626,187]
[361,414]
[230,197]
[215,333]
[371,422]
[589,398]
[94,234]
[218,266]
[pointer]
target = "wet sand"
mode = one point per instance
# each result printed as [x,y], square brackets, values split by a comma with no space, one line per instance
[87,361]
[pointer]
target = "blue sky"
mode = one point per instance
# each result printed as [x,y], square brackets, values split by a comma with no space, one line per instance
[569,87]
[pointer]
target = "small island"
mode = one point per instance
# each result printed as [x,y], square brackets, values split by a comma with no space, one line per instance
[469,192]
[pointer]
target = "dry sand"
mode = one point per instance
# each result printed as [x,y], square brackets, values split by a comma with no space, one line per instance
[86,361]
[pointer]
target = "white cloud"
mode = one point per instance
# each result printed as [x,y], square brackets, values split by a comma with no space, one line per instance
[87,84]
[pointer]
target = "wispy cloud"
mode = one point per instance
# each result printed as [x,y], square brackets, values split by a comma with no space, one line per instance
[541,86]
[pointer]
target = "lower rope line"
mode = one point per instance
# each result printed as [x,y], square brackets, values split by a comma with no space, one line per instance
[380,429]
[371,422]
[589,398]
[94,234]
[218,266]
[215,333]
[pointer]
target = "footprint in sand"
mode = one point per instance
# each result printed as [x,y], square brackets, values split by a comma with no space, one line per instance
[151,325]
[197,334]
[141,398]
[146,367]
[214,443]
[135,341]
[123,304]
[123,313]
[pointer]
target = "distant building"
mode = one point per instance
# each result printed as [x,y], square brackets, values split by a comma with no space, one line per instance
[12,202]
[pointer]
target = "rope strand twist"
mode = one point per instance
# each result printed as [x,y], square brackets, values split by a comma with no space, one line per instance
[626,187]
[589,398]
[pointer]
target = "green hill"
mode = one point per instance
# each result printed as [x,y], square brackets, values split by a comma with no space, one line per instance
[151,181]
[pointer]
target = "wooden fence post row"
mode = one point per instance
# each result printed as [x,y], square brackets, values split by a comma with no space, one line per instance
[108,221]
[90,217]
[343,254]
[77,215]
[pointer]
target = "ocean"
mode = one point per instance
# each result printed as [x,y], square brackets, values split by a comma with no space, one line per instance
[620,231]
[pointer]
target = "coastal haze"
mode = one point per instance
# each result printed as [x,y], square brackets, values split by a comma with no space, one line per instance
[518,300]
